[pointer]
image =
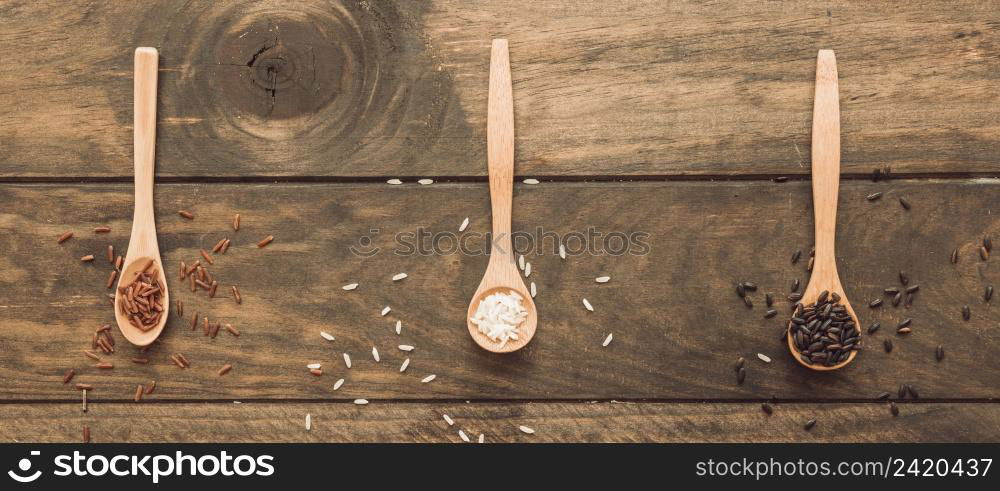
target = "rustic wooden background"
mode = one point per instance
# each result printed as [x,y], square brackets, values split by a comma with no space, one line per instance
[669,118]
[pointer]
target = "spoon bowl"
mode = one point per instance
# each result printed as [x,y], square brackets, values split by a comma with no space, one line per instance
[825,186]
[501,274]
[142,245]
[500,283]
[131,271]
[810,296]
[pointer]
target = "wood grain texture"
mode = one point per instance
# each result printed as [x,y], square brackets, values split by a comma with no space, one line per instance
[382,88]
[552,422]
[678,325]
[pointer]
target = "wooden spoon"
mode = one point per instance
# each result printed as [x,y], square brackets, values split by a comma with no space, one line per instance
[502,274]
[142,246]
[825,186]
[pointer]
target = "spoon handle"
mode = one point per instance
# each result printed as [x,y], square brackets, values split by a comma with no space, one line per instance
[500,146]
[144,134]
[826,158]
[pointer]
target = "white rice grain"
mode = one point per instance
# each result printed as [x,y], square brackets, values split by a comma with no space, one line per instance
[586,303]
[429,378]
[520,262]
[531,181]
[525,429]
[465,438]
[399,327]
[424,182]
[314,366]
[361,402]
[447,419]
[386,310]
[764,358]
[482,438]
[350,286]
[527,270]
[406,363]
[394,182]
[562,251]
[375,354]
[405,347]
[608,339]
[338,383]
[347,360]
[534,291]
[602,279]
[464,225]
[327,336]
[309,422]
[399,276]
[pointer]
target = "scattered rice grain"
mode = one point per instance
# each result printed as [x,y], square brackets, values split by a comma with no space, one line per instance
[338,383]
[465,438]
[424,182]
[531,181]
[347,360]
[464,225]
[394,182]
[602,279]
[586,303]
[608,339]
[429,378]
[350,286]
[447,419]
[386,310]
[361,402]
[405,347]
[399,276]
[327,336]
[525,429]
[406,363]
[375,354]
[764,358]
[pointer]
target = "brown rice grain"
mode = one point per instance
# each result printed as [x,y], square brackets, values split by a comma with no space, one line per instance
[64,237]
[111,278]
[102,230]
[186,214]
[218,245]
[225,369]
[69,375]
[236,295]
[88,258]
[138,393]
[265,241]
[236,222]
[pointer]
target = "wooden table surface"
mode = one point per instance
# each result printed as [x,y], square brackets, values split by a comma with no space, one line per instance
[639,117]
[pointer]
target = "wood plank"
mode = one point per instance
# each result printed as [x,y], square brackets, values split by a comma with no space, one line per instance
[678,325]
[386,88]
[499,422]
